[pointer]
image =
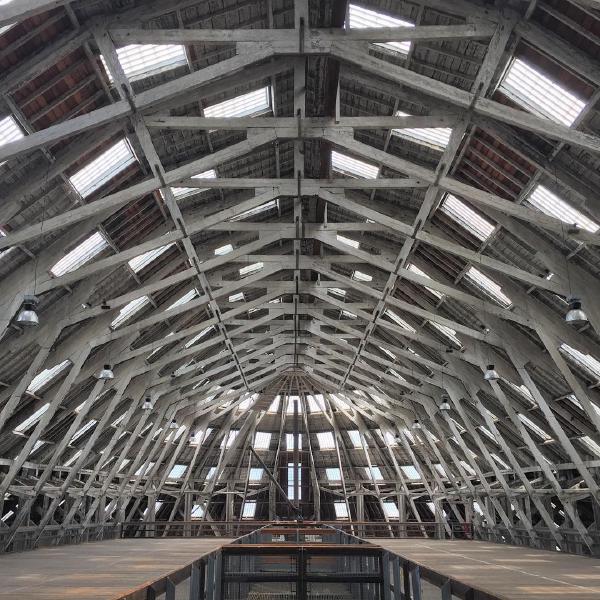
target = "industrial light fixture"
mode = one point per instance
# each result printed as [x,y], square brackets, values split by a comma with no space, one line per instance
[147,404]
[491,374]
[106,373]
[575,314]
[173,424]
[28,316]
[416,424]
[445,405]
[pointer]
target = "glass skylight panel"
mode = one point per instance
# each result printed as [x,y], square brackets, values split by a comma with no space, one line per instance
[499,461]
[129,310]
[9,131]
[177,471]
[411,472]
[466,217]
[388,353]
[360,276]
[144,469]
[36,447]
[347,241]
[488,286]
[540,95]
[447,331]
[255,211]
[211,473]
[223,250]
[256,474]
[326,440]
[289,442]
[341,510]
[198,337]
[187,297]
[438,137]
[80,255]
[239,297]
[102,169]
[83,430]
[396,374]
[374,473]
[355,438]
[592,446]
[197,511]
[184,192]
[440,469]
[249,509]
[337,292]
[262,440]
[352,167]
[142,60]
[247,105]
[230,438]
[143,260]
[390,509]
[535,428]
[399,321]
[549,203]
[46,376]
[290,476]
[346,314]
[73,458]
[414,269]
[333,474]
[290,405]
[362,18]
[315,403]
[251,269]
[32,419]
[5,28]
[274,407]
[587,361]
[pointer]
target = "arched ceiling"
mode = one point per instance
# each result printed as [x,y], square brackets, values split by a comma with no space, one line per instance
[216,199]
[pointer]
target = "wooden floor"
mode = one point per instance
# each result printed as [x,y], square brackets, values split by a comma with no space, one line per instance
[96,571]
[510,572]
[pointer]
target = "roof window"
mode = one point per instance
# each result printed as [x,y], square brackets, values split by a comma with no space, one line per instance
[43,378]
[184,192]
[187,297]
[129,310]
[363,18]
[435,137]
[414,269]
[333,474]
[326,440]
[398,320]
[341,510]
[251,269]
[352,167]
[347,241]
[9,130]
[32,419]
[249,509]
[256,210]
[80,255]
[223,250]
[466,217]
[247,105]
[262,440]
[355,438]
[488,286]
[374,473]
[142,60]
[390,510]
[143,260]
[585,361]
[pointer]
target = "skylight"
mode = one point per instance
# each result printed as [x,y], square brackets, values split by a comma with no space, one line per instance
[274,407]
[249,509]
[290,477]
[326,440]
[46,376]
[436,137]
[388,437]
[73,458]
[211,473]
[362,18]
[414,269]
[197,511]
[540,95]
[315,403]
[592,446]
[251,269]
[9,131]
[256,474]
[80,255]
[187,297]
[32,419]
[355,438]
[230,438]
[223,250]
[177,471]
[142,60]
[535,428]
[129,310]
[447,331]
[399,321]
[102,169]
[347,241]
[489,287]
[374,473]
[337,292]
[411,472]
[587,361]
[83,430]
[239,297]
[390,509]
[289,442]
[198,337]
[352,167]
[255,211]
[549,203]
[333,474]
[184,192]
[360,276]
[143,260]
[247,105]
[466,217]
[341,510]
[262,440]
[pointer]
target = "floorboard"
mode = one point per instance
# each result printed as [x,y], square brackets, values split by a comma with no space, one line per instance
[510,572]
[96,571]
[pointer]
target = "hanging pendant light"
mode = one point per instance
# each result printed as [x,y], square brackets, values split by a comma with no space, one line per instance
[575,314]
[147,404]
[173,424]
[28,316]
[491,374]
[445,405]
[416,424]
[106,373]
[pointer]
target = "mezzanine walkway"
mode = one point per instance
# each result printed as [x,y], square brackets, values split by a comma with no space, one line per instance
[507,572]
